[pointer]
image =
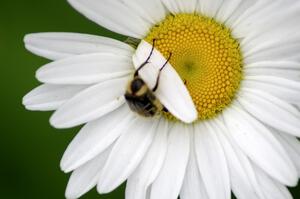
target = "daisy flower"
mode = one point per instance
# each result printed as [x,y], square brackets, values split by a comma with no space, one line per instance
[230,89]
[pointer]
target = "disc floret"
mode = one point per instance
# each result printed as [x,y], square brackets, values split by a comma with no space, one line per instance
[206,57]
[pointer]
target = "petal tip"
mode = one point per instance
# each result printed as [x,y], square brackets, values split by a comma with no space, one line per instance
[67,164]
[27,38]
[64,166]
[25,100]
[190,118]
[102,189]
[293,182]
[71,193]
[41,74]
[56,123]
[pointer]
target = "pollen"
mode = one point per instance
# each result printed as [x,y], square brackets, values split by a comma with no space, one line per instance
[205,55]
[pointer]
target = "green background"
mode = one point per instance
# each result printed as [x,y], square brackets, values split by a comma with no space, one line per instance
[30,148]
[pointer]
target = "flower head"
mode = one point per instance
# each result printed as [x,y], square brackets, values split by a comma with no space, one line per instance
[226,73]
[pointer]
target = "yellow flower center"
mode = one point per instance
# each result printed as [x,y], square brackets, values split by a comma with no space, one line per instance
[206,57]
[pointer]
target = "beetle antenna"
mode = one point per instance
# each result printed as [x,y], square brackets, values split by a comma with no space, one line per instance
[158,77]
[147,60]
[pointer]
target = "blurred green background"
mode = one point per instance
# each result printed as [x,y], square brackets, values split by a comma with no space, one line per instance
[31,149]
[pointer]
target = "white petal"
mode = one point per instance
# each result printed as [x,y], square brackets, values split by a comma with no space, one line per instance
[113,15]
[179,6]
[171,91]
[211,162]
[95,137]
[243,10]
[90,104]
[272,37]
[152,11]
[263,17]
[269,29]
[62,45]
[242,177]
[292,147]
[129,187]
[258,143]
[85,177]
[172,6]
[188,6]
[85,69]
[284,52]
[264,44]
[227,9]
[209,8]
[146,173]
[271,188]
[50,97]
[169,181]
[274,64]
[127,153]
[287,90]
[148,193]
[285,69]
[247,9]
[271,110]
[193,186]
[287,73]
